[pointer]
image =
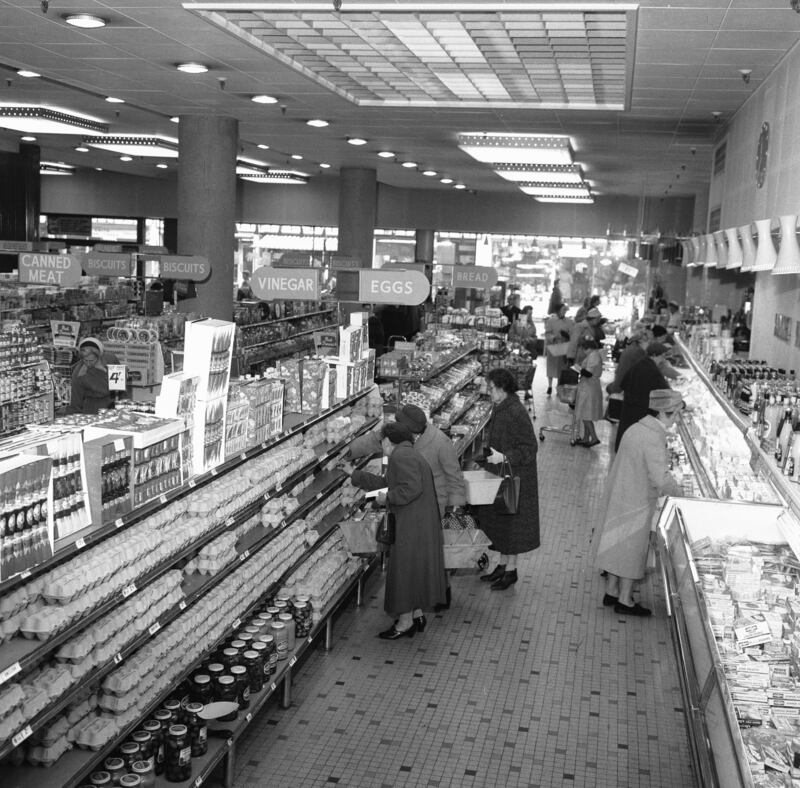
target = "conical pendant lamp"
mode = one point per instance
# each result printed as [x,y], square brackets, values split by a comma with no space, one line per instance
[748,247]
[711,252]
[734,249]
[765,250]
[688,254]
[789,254]
[722,249]
[696,250]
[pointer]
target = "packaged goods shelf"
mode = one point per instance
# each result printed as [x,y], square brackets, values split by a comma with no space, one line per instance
[18,655]
[292,426]
[463,353]
[287,338]
[707,489]
[245,326]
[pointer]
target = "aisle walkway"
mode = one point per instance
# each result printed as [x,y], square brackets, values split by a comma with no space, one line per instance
[536,686]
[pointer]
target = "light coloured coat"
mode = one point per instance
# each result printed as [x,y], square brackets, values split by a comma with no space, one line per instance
[638,476]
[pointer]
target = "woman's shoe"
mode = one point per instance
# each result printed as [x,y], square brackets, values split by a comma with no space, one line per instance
[609,600]
[439,606]
[393,633]
[420,622]
[589,444]
[508,579]
[498,572]
[549,390]
[632,610]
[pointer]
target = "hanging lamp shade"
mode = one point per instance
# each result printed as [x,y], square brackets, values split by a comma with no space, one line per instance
[722,249]
[765,250]
[789,254]
[711,252]
[688,254]
[696,251]
[734,249]
[748,247]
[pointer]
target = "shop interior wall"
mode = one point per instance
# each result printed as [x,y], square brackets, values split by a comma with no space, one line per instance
[709,287]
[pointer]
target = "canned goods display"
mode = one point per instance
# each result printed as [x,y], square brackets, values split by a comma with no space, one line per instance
[178,754]
[303,618]
[242,678]
[153,727]
[198,730]
[226,690]
[261,650]
[287,619]
[201,691]
[254,662]
[279,633]
[271,662]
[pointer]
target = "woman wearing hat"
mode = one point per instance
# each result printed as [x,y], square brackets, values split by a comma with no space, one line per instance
[638,476]
[415,575]
[557,332]
[90,391]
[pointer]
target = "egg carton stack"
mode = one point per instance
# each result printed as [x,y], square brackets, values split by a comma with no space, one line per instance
[221,551]
[51,742]
[276,510]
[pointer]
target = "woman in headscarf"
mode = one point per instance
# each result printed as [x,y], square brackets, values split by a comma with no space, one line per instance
[415,574]
[90,392]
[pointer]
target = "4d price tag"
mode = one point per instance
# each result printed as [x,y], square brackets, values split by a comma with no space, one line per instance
[80,544]
[117,658]
[128,590]
[10,672]
[154,628]
[245,555]
[119,522]
[25,733]
[117,377]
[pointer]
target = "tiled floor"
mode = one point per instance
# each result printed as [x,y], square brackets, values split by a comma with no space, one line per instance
[539,685]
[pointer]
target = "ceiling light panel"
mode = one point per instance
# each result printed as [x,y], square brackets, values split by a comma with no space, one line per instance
[556,189]
[35,119]
[530,173]
[421,54]
[494,147]
[136,145]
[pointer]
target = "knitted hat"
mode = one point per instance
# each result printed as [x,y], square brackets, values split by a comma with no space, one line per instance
[93,343]
[397,433]
[412,417]
[593,314]
[657,349]
[663,400]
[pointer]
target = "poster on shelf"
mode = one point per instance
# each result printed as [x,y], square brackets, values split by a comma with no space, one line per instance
[396,286]
[49,269]
[290,284]
[473,276]
[65,332]
[326,342]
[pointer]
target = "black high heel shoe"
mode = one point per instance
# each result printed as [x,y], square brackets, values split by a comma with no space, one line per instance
[419,622]
[440,606]
[393,633]
[498,572]
[508,579]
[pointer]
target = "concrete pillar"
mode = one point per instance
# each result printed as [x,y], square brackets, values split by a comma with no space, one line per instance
[207,207]
[357,209]
[424,250]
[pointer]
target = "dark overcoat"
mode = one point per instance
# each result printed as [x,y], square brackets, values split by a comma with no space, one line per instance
[415,574]
[510,431]
[642,378]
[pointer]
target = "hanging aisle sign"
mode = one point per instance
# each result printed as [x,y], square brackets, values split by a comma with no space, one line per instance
[392,286]
[16,246]
[49,269]
[469,276]
[106,264]
[193,268]
[291,284]
[342,262]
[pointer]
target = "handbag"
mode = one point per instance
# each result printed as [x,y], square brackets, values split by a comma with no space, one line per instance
[386,529]
[507,499]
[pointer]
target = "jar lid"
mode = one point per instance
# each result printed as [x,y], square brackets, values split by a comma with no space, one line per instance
[298,605]
[278,625]
[258,646]
[270,638]
[202,678]
[129,747]
[142,736]
[163,715]
[112,764]
[143,767]
[280,604]
[172,704]
[100,778]
[238,670]
[226,680]
[273,611]
[302,598]
[231,652]
[178,730]
[151,725]
[130,780]
[245,638]
[194,708]
[265,616]
[215,667]
[251,629]
[285,616]
[238,643]
[251,654]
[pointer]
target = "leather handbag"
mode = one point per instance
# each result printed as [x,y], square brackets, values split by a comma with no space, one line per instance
[386,529]
[507,499]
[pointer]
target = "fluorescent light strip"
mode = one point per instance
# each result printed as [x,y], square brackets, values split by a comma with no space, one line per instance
[553,189]
[136,145]
[279,176]
[490,147]
[538,173]
[41,119]
[587,199]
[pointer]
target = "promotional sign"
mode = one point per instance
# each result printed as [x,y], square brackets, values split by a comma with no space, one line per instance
[16,246]
[65,332]
[293,284]
[105,264]
[326,343]
[479,277]
[630,270]
[49,269]
[384,286]
[117,377]
[295,260]
[189,267]
[343,262]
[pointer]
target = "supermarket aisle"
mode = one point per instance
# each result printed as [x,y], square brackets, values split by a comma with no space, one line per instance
[536,686]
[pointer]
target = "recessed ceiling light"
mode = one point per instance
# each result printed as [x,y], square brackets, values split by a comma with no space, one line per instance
[264,99]
[409,164]
[162,166]
[386,154]
[114,100]
[459,186]
[86,21]
[126,158]
[99,169]
[317,123]
[323,165]
[263,147]
[175,119]
[192,68]
[445,180]
[28,138]
[24,72]
[82,149]
[430,173]
[356,140]
[296,156]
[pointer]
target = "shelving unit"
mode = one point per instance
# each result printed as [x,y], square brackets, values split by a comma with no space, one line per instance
[17,657]
[245,326]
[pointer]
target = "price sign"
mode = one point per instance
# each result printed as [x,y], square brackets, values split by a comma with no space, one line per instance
[292,662]
[128,590]
[25,733]
[182,604]
[248,717]
[154,628]
[10,672]
[198,782]
[80,544]
[117,377]
[65,332]
[25,575]
[119,522]
[117,658]
[236,623]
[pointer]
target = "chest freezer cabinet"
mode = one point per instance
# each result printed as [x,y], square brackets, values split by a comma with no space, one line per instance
[718,747]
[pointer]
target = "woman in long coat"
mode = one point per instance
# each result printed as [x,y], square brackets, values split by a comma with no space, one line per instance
[510,436]
[589,397]
[557,331]
[415,574]
[639,475]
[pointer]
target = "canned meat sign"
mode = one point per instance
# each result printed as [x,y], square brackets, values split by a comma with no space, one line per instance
[49,269]
[479,277]
[295,284]
[384,286]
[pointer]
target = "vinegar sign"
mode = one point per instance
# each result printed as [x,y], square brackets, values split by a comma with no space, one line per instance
[294,284]
[384,286]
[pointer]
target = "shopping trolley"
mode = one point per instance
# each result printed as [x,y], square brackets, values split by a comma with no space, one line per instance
[566,392]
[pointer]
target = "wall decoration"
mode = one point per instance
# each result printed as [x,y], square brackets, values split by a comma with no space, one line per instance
[783,327]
